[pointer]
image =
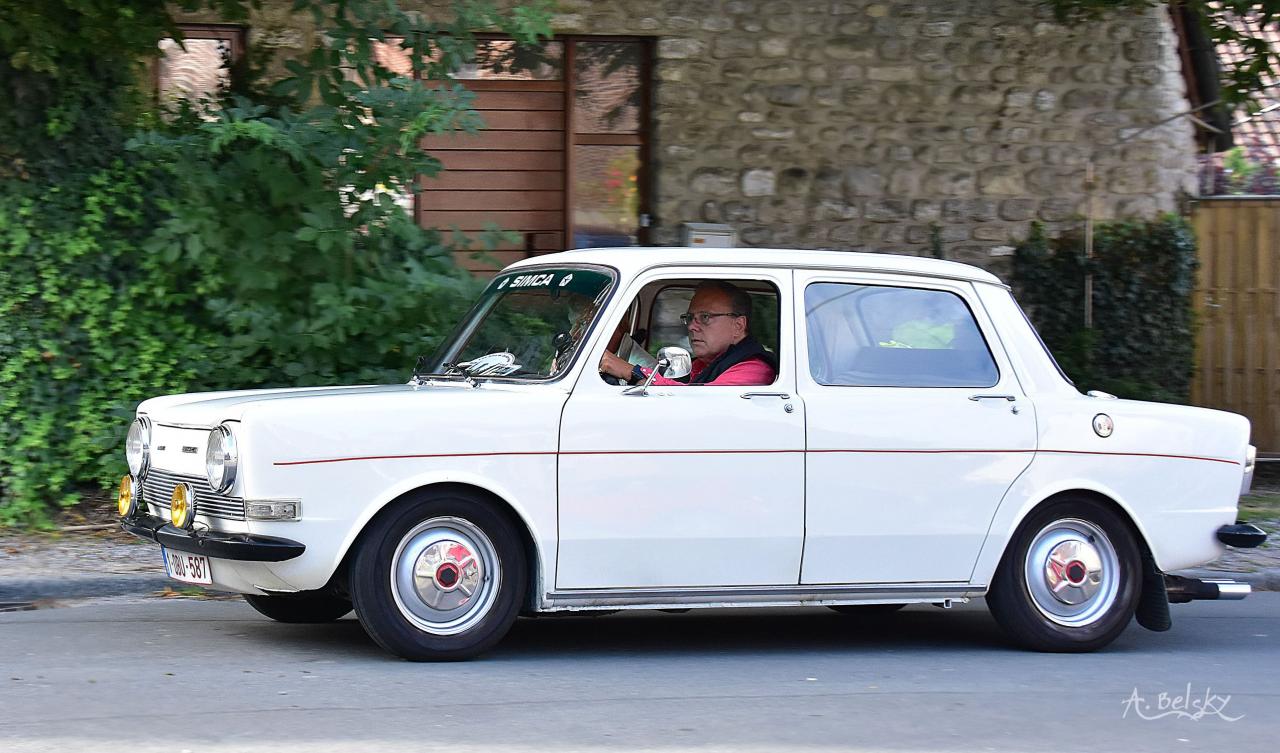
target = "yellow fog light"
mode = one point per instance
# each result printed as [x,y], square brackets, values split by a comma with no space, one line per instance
[182,506]
[126,501]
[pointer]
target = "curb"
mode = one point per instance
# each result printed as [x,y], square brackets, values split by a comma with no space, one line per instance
[32,589]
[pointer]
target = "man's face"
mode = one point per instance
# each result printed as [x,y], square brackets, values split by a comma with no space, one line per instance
[713,338]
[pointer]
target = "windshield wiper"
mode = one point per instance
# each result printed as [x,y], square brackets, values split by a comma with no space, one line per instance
[452,371]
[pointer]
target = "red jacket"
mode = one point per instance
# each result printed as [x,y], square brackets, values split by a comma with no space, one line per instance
[752,372]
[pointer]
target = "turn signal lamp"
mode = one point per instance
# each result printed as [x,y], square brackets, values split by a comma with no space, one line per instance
[126,501]
[182,506]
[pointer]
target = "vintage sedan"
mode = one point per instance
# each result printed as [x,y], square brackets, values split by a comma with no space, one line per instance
[917,444]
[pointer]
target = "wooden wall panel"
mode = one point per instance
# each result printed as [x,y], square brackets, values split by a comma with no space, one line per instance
[1237,301]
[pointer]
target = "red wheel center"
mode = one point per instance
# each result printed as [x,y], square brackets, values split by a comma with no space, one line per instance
[447,575]
[1076,572]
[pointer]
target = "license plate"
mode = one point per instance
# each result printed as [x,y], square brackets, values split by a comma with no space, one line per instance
[187,567]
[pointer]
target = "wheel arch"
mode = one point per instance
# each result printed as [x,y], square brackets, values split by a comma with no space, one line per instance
[1106,500]
[986,567]
[532,552]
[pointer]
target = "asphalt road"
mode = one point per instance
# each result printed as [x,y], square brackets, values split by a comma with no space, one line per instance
[187,675]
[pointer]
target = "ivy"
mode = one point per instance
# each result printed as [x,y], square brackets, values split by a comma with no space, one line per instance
[255,240]
[1141,345]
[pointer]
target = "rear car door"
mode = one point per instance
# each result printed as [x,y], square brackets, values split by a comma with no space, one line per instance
[917,427]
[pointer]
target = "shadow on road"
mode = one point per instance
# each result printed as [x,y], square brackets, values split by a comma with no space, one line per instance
[741,631]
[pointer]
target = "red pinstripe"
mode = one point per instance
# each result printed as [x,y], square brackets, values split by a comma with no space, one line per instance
[753,452]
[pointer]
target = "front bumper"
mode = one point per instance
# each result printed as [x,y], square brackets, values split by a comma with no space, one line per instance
[1242,535]
[225,546]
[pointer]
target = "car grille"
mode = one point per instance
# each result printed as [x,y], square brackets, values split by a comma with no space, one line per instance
[157,488]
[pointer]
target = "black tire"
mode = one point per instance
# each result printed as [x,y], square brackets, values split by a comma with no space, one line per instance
[425,531]
[865,610]
[1085,533]
[301,608]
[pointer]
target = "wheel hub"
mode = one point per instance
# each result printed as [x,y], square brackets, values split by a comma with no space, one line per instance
[1072,572]
[445,575]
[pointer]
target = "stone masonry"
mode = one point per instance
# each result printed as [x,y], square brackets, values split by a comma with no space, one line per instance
[896,125]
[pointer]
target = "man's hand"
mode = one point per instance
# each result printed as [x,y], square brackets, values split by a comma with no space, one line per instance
[615,367]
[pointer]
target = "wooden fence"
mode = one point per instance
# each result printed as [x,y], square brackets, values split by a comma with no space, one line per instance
[1237,300]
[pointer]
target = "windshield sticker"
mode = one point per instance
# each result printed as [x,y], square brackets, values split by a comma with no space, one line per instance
[567,279]
[532,281]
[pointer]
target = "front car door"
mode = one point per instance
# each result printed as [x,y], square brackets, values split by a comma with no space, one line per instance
[917,427]
[688,486]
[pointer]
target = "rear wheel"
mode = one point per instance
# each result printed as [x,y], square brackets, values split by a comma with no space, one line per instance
[301,608]
[440,577]
[1070,579]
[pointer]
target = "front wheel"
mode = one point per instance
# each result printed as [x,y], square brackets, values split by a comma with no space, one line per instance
[301,608]
[1070,579]
[440,577]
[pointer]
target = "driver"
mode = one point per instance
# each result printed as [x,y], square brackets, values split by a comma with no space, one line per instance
[724,352]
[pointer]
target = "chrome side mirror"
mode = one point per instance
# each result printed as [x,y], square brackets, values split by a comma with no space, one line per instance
[673,363]
[679,362]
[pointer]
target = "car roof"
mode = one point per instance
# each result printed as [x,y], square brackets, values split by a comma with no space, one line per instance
[633,259]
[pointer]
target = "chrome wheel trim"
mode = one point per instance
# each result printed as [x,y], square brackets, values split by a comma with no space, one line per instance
[1072,572]
[445,576]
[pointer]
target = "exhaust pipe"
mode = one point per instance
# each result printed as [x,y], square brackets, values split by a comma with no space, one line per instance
[1182,589]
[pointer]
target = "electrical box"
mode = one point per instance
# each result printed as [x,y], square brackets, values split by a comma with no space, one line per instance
[707,235]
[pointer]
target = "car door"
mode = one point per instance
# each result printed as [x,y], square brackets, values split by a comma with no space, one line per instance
[917,427]
[685,486]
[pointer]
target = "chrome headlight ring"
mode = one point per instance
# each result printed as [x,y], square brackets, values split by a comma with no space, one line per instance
[221,459]
[137,447]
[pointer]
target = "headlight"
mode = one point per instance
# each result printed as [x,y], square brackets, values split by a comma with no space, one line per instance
[221,458]
[137,446]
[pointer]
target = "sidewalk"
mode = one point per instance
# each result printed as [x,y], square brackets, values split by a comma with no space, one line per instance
[81,564]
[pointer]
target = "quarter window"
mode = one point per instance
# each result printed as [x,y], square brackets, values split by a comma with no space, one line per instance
[880,336]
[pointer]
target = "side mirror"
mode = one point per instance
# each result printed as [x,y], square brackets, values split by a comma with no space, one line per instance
[673,363]
[679,362]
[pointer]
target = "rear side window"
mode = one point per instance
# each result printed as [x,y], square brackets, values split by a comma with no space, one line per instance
[880,336]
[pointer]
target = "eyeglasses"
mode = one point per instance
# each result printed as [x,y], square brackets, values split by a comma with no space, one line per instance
[703,317]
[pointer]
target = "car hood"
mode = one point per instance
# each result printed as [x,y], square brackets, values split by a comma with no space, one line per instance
[208,409]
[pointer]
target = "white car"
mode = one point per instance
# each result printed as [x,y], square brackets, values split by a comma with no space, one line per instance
[918,445]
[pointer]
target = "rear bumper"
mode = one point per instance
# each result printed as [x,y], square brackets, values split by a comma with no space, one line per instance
[224,546]
[1242,535]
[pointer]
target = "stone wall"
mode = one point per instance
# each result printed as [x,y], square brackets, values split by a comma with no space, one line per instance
[894,125]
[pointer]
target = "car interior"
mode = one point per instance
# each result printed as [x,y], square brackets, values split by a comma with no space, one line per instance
[652,320]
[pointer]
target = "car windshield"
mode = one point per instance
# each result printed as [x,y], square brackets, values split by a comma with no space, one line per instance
[528,324]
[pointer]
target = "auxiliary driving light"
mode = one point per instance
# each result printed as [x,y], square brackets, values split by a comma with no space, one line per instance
[126,499]
[182,506]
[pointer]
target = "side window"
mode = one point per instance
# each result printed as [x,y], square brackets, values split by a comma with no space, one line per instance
[672,301]
[879,336]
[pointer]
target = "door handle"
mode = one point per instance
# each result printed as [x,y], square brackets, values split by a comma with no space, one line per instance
[779,395]
[1010,398]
